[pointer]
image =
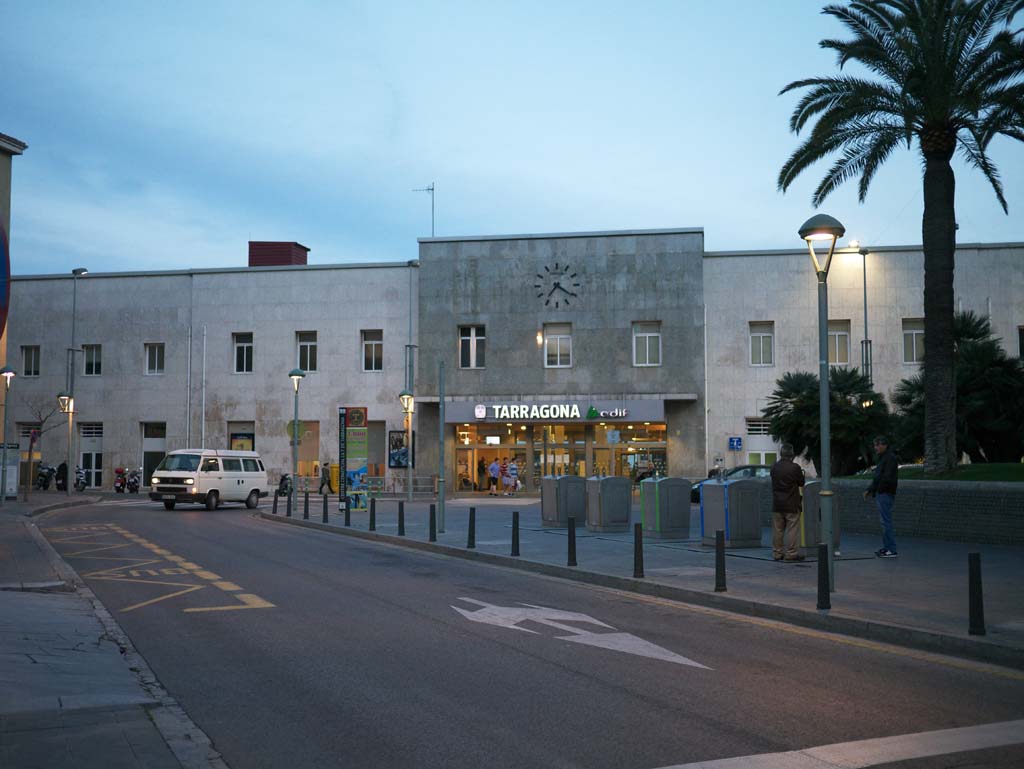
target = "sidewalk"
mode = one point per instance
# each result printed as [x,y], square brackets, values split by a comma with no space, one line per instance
[69,697]
[918,600]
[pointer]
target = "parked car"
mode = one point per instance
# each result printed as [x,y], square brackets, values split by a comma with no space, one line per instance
[732,474]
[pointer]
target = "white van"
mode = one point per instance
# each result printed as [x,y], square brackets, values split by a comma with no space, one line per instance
[209,477]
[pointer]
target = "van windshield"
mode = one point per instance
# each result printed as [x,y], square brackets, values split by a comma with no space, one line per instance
[180,462]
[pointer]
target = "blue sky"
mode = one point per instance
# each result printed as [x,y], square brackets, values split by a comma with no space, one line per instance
[167,135]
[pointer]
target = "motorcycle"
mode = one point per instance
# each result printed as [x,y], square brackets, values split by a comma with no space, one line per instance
[79,479]
[120,479]
[134,480]
[284,486]
[44,476]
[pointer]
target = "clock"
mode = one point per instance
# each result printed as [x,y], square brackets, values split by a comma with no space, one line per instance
[557,286]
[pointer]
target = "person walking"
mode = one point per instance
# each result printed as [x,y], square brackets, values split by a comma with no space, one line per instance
[513,474]
[493,471]
[504,475]
[325,477]
[787,480]
[883,489]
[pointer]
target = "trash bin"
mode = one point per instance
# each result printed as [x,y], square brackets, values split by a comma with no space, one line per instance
[735,508]
[665,507]
[810,520]
[562,497]
[609,503]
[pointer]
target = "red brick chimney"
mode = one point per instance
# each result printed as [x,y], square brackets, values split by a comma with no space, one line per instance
[265,253]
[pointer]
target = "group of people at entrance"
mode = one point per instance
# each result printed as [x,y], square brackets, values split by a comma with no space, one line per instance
[503,477]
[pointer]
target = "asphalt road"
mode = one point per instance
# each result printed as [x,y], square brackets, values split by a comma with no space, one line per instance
[295,648]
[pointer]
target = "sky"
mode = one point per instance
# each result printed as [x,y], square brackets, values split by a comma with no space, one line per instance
[166,135]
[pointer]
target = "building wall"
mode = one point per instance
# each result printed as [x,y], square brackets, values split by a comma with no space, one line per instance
[122,312]
[780,286]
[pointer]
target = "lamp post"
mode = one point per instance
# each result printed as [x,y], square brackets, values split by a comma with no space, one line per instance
[8,374]
[824,229]
[866,364]
[408,406]
[296,375]
[67,406]
[70,392]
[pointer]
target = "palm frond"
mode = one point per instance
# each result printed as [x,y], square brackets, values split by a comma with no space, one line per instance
[973,151]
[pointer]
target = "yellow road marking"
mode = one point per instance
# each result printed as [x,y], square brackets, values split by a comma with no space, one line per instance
[249,600]
[176,558]
[227,586]
[190,565]
[161,598]
[207,575]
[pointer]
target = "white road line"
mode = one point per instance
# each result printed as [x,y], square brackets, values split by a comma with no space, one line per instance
[883,750]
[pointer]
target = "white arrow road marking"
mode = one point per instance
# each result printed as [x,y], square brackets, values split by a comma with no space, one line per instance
[510,617]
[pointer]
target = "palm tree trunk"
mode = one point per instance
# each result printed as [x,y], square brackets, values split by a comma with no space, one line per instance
[939,242]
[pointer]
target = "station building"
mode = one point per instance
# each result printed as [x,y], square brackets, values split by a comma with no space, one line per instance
[622,353]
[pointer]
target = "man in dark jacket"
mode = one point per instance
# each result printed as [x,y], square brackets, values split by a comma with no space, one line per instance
[787,480]
[883,489]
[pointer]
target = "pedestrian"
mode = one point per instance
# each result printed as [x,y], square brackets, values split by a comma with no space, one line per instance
[481,474]
[883,489]
[504,476]
[325,477]
[787,480]
[513,477]
[493,471]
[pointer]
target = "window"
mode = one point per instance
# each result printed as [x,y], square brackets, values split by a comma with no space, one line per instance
[839,342]
[913,340]
[211,466]
[250,466]
[758,427]
[761,458]
[647,344]
[155,358]
[762,342]
[243,352]
[373,350]
[472,346]
[91,429]
[306,343]
[30,360]
[232,465]
[557,345]
[154,429]
[93,359]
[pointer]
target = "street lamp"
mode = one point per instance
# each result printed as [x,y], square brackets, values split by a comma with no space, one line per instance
[69,395]
[296,375]
[67,406]
[866,363]
[8,374]
[823,229]
[408,402]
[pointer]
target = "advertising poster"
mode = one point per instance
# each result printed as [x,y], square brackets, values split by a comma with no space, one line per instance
[357,440]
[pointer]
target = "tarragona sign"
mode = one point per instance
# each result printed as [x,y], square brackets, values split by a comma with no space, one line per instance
[519,411]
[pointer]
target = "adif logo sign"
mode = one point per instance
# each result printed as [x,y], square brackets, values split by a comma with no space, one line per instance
[480,412]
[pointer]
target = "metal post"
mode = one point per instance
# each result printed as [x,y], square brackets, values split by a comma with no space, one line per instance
[975,597]
[401,518]
[276,495]
[295,447]
[373,514]
[571,561]
[824,599]
[515,533]
[305,504]
[720,561]
[440,430]
[471,536]
[433,523]
[325,509]
[826,425]
[638,551]
[865,345]
[3,472]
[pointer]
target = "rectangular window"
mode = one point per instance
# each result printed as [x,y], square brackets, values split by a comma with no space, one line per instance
[647,344]
[306,344]
[154,430]
[30,360]
[93,354]
[154,357]
[232,465]
[250,465]
[91,429]
[243,352]
[761,457]
[762,343]
[839,342]
[758,427]
[913,340]
[557,345]
[472,346]
[373,350]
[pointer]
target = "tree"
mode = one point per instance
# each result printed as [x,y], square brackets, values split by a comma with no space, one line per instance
[857,415]
[949,75]
[42,410]
[989,398]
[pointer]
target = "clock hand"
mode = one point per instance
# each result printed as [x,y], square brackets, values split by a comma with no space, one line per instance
[564,290]
[555,288]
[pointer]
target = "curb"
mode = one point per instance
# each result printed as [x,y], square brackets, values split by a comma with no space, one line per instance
[897,635]
[74,502]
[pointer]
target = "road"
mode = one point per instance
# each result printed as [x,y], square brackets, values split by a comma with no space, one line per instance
[295,648]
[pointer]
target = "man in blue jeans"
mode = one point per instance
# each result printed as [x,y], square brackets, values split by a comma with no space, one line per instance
[883,489]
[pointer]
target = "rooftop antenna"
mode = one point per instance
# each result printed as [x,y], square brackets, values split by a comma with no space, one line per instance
[429,189]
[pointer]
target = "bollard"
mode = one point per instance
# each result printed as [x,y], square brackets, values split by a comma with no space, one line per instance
[348,514]
[288,507]
[975,598]
[471,537]
[325,508]
[373,514]
[720,561]
[515,533]
[305,505]
[276,495]
[572,542]
[401,518]
[638,551]
[824,598]
[433,522]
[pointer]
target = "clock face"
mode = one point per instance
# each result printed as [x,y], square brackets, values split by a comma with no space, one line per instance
[558,286]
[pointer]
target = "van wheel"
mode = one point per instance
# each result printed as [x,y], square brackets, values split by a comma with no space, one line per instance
[253,499]
[212,500]
[168,504]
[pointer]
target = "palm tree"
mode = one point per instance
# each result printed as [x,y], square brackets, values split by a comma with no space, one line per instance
[950,74]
